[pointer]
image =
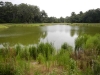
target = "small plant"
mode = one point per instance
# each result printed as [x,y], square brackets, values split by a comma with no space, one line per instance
[63,58]
[96,68]
[40,58]
[33,52]
[46,49]
[66,46]
[18,48]
[24,54]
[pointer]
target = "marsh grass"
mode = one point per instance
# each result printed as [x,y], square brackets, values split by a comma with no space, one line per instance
[87,55]
[17,60]
[44,59]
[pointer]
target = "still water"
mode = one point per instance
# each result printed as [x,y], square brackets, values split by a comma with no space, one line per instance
[56,34]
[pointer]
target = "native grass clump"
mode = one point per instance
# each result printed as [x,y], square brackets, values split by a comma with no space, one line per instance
[87,53]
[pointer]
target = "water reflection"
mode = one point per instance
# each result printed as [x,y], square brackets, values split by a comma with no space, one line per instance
[57,34]
[23,35]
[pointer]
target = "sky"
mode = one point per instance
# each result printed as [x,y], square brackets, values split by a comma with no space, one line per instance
[61,8]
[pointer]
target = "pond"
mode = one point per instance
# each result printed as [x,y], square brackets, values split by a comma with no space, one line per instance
[56,34]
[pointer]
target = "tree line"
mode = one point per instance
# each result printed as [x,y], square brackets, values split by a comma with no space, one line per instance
[90,16]
[25,13]
[22,13]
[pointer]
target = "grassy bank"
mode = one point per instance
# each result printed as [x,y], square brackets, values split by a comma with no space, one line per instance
[3,26]
[44,59]
[6,25]
[84,24]
[21,24]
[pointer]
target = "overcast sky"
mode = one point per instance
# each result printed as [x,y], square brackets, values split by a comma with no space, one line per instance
[60,8]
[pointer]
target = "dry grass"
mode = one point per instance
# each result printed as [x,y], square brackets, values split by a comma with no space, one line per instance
[84,59]
[44,70]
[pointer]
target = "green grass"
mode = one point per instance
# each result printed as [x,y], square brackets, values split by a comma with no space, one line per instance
[85,24]
[3,26]
[19,60]
[7,25]
[44,59]
[28,24]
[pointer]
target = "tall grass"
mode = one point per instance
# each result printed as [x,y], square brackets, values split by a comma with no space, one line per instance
[44,59]
[88,48]
[14,60]
[10,64]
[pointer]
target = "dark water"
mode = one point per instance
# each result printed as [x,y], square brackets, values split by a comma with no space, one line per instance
[57,34]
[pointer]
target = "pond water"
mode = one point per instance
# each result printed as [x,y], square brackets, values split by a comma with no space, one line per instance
[56,34]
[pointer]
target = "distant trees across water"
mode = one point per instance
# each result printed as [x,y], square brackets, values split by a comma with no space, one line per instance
[90,16]
[25,13]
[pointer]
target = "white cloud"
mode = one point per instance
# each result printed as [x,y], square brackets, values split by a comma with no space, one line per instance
[62,8]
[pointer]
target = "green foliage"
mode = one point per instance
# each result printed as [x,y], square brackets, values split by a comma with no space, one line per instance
[66,47]
[91,49]
[18,48]
[46,49]
[16,60]
[96,68]
[80,42]
[33,52]
[88,71]
[88,42]
[25,54]
[37,73]
[10,65]
[22,67]
[40,58]
[63,57]
[7,64]
[7,68]
[24,13]
[53,73]
[92,42]
[90,16]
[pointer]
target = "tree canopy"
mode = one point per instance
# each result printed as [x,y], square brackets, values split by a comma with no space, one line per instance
[25,13]
[90,16]
[22,13]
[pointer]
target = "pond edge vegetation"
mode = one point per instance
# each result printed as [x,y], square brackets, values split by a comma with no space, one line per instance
[44,59]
